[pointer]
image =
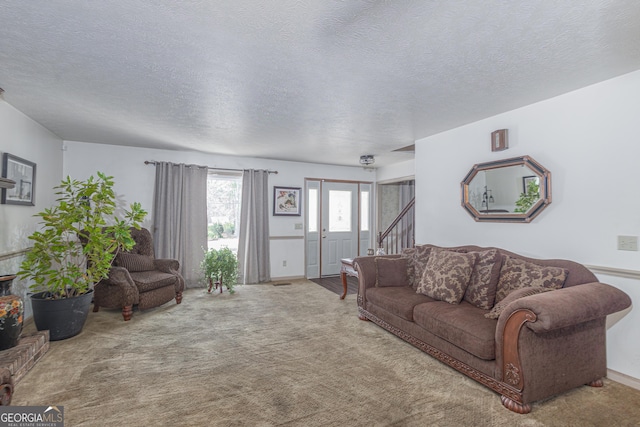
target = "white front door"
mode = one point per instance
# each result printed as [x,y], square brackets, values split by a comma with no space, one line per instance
[339,225]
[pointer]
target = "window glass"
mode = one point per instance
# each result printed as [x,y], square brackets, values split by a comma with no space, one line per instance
[313,210]
[339,211]
[364,211]
[224,197]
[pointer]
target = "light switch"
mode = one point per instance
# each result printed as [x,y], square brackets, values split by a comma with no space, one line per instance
[628,243]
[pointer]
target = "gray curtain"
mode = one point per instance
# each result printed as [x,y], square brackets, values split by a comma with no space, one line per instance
[253,247]
[180,217]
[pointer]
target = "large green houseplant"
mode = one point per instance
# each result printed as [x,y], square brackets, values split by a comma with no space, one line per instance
[220,267]
[75,248]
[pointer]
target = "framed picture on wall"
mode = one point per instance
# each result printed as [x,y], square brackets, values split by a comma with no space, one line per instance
[23,172]
[286,201]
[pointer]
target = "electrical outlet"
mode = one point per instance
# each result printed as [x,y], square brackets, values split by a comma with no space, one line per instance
[627,243]
[284,263]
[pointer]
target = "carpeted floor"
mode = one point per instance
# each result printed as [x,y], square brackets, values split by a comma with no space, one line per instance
[277,356]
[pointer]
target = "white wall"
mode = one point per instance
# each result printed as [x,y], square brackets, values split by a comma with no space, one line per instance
[25,138]
[589,140]
[396,171]
[134,181]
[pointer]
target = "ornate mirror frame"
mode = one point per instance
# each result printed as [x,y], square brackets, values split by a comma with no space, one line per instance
[499,215]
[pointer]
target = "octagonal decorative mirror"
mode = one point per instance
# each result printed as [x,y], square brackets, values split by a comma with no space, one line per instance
[509,190]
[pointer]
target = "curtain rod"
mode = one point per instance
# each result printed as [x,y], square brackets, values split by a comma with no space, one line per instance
[153,162]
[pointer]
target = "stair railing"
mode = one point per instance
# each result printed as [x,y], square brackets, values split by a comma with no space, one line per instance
[401,233]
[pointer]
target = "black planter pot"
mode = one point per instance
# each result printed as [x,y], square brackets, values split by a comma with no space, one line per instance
[64,318]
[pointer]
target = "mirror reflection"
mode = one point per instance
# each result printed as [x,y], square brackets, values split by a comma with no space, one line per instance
[512,190]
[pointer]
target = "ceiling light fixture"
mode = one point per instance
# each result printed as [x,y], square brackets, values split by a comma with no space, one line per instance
[367,160]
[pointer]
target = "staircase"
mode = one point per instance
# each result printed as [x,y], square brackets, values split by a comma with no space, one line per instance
[401,233]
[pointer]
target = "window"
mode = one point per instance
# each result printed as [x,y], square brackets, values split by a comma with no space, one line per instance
[313,210]
[339,211]
[364,211]
[224,197]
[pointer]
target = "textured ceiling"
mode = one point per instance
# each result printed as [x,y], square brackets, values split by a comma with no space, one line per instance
[318,81]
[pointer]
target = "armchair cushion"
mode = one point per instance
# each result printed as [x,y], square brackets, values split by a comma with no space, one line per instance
[149,280]
[135,262]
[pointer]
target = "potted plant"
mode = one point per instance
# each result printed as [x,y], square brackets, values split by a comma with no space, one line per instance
[220,267]
[75,248]
[528,199]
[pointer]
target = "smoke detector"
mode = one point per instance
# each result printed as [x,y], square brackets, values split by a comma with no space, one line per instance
[367,160]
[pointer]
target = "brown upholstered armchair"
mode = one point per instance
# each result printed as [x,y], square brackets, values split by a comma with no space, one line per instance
[138,278]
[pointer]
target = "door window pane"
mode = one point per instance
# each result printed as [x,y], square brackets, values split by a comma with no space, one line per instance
[313,210]
[339,211]
[364,211]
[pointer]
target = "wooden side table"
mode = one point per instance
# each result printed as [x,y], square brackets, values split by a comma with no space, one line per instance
[346,270]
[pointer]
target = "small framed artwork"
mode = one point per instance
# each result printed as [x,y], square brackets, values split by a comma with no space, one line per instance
[526,180]
[286,201]
[23,172]
[500,140]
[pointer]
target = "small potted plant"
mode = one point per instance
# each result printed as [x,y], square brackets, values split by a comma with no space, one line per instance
[74,250]
[528,199]
[220,267]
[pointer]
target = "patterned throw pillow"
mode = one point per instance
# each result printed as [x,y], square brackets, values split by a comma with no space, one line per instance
[447,275]
[517,294]
[134,262]
[484,279]
[518,274]
[409,255]
[391,272]
[420,259]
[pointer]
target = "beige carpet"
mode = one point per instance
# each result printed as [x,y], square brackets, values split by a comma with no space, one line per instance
[291,355]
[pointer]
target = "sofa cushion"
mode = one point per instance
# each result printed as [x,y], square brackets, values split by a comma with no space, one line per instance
[483,284]
[447,275]
[134,262]
[517,274]
[417,258]
[149,280]
[391,272]
[463,325]
[409,255]
[399,301]
[517,294]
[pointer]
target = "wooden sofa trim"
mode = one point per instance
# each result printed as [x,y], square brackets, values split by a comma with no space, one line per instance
[512,395]
[512,374]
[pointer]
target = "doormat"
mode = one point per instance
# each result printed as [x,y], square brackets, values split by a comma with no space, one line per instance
[334,284]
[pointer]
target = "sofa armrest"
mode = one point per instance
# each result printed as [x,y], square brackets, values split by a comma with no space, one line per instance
[120,278]
[366,268]
[569,306]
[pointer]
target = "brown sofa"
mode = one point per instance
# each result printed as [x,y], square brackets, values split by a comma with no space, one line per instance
[548,338]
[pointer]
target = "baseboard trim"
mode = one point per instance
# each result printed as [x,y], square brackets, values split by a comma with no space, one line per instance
[278,279]
[623,379]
